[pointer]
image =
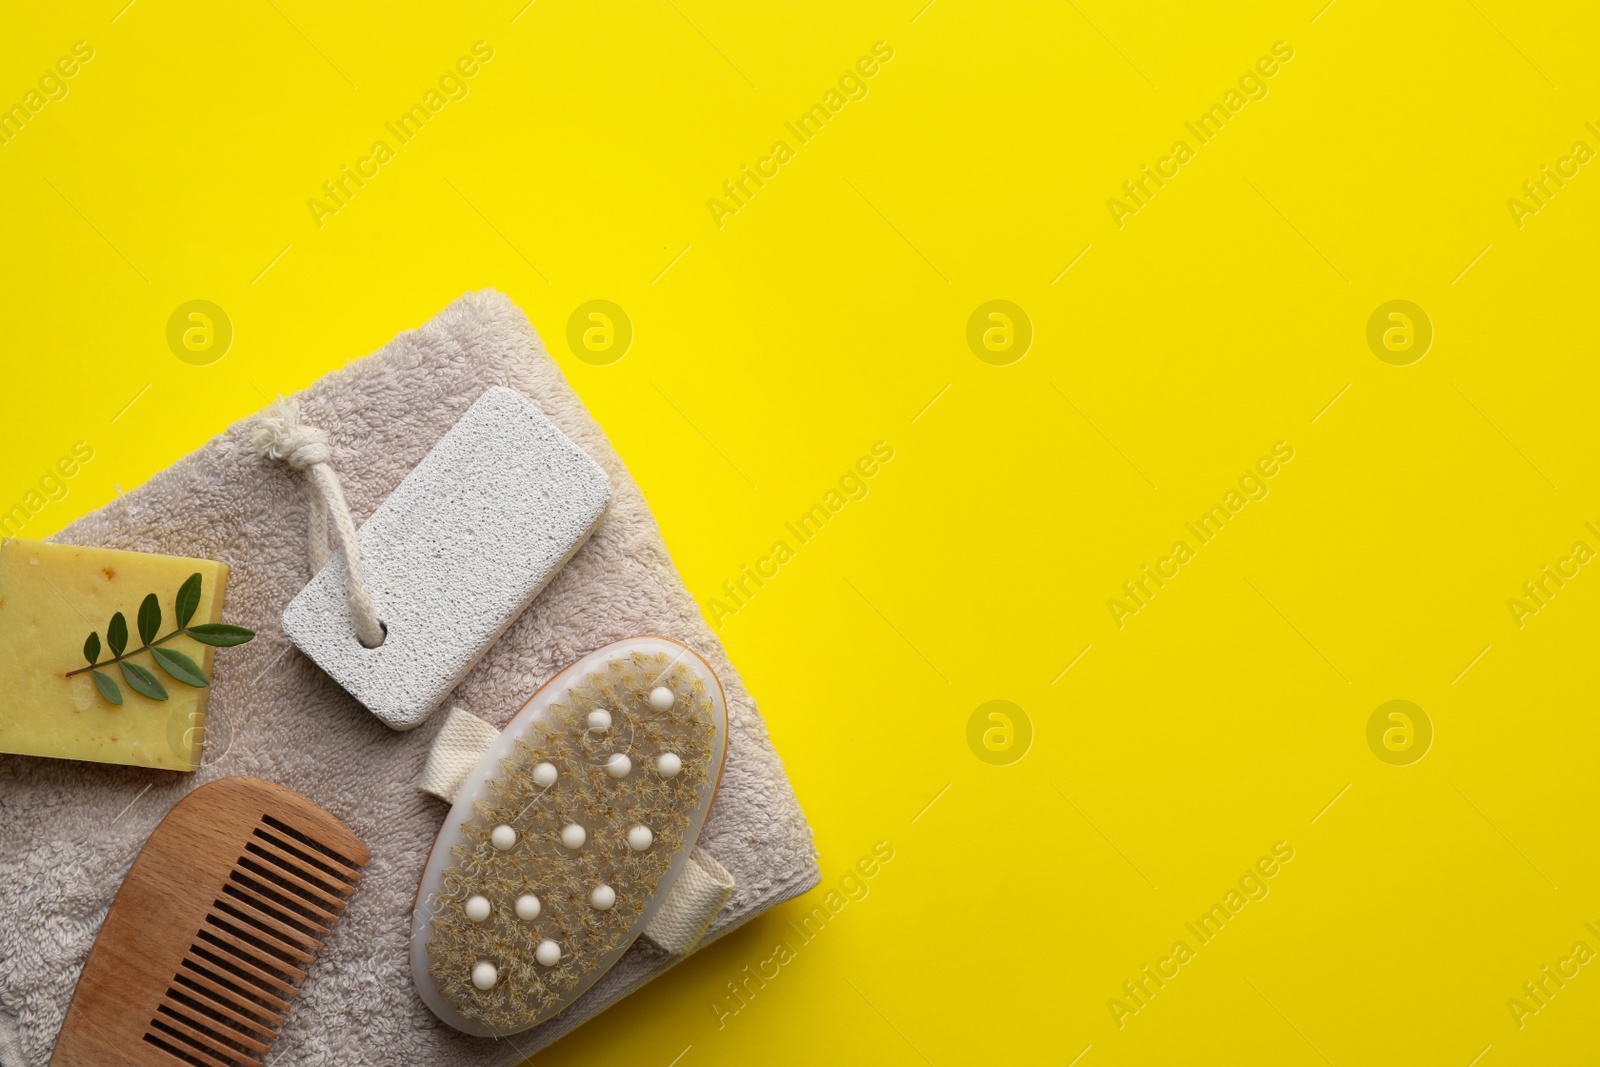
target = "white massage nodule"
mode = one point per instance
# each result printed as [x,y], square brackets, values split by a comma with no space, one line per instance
[556,855]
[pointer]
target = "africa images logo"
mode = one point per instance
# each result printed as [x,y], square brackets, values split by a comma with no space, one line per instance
[737,192]
[1252,486]
[1252,85]
[452,85]
[1252,886]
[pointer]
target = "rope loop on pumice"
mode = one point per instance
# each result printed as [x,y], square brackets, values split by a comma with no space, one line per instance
[281,436]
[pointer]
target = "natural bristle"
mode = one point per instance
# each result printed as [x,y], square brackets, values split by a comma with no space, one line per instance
[606,807]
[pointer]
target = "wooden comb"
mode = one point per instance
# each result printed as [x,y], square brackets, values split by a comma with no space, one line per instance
[213,930]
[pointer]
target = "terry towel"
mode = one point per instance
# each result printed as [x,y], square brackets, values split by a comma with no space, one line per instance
[69,831]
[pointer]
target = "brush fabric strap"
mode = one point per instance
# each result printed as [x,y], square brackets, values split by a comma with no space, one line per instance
[456,750]
[700,891]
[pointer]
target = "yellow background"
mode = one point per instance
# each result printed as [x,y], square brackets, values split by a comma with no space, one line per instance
[824,316]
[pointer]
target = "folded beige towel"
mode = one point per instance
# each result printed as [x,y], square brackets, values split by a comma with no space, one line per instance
[69,831]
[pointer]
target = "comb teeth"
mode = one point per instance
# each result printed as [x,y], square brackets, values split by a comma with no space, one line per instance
[234,986]
[216,926]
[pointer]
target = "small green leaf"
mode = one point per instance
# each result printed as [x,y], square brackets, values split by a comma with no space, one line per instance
[149,618]
[180,667]
[117,634]
[220,634]
[188,599]
[108,688]
[141,681]
[91,649]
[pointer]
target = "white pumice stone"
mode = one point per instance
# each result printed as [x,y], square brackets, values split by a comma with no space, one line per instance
[573,835]
[618,765]
[545,775]
[640,838]
[548,953]
[527,907]
[484,976]
[668,764]
[601,897]
[502,837]
[599,719]
[661,698]
[478,908]
[463,544]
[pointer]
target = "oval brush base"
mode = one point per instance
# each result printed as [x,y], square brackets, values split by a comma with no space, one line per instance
[562,843]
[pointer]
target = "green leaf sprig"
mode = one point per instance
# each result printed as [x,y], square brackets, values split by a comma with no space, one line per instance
[141,679]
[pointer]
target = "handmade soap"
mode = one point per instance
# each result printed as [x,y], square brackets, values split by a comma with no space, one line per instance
[51,598]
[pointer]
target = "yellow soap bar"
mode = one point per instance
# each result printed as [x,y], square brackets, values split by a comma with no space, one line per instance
[51,597]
